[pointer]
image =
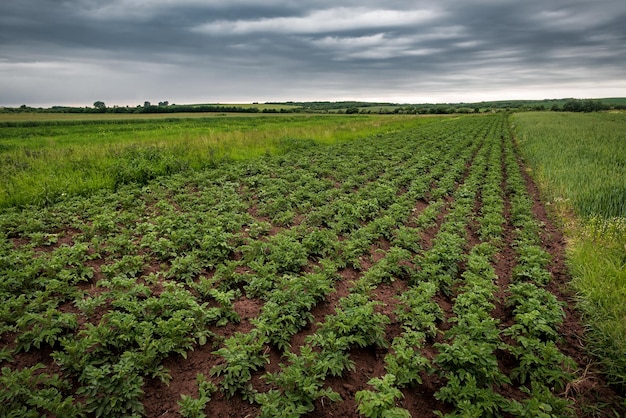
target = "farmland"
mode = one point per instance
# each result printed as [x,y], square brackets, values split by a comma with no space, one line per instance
[44,160]
[402,267]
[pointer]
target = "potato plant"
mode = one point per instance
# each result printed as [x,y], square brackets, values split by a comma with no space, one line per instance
[282,273]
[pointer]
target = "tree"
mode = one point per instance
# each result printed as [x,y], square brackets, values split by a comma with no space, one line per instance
[587,105]
[99,105]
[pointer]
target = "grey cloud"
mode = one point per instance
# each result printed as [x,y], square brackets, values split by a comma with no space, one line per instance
[125,51]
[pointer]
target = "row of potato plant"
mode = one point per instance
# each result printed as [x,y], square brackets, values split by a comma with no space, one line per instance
[468,361]
[301,382]
[543,370]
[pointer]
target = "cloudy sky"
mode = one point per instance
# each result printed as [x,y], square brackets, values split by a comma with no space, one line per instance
[125,52]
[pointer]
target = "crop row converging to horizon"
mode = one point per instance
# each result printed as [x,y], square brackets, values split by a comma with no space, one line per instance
[287,266]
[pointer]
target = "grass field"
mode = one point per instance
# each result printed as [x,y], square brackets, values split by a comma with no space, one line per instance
[579,160]
[386,269]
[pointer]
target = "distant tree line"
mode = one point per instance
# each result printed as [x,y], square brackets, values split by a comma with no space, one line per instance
[353,107]
[569,105]
[162,107]
[346,107]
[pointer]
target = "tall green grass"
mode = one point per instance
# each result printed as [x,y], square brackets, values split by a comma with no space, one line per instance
[598,264]
[43,161]
[578,156]
[579,162]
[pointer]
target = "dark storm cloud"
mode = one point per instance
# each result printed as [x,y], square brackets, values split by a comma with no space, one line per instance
[127,51]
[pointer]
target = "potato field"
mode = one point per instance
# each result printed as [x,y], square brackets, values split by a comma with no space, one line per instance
[406,273]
